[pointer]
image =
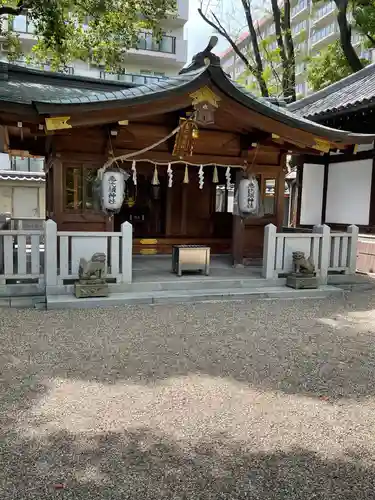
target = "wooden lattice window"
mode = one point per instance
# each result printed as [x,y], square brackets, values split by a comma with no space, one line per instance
[78,188]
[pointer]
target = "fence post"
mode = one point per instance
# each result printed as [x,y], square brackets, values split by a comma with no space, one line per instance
[50,254]
[325,251]
[127,252]
[352,248]
[269,252]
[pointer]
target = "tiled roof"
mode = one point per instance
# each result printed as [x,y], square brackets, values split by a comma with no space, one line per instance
[25,86]
[48,98]
[356,90]
[11,175]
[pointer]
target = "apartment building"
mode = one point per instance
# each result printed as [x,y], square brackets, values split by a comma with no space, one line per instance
[314,26]
[150,60]
[22,179]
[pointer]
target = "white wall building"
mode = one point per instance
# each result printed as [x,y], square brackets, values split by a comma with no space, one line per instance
[22,180]
[314,26]
[22,187]
[151,59]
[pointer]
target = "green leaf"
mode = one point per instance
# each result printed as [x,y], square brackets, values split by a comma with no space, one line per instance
[328,67]
[99,31]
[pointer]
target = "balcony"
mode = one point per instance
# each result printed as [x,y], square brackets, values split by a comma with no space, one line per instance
[323,12]
[22,24]
[326,35]
[131,77]
[166,44]
[300,8]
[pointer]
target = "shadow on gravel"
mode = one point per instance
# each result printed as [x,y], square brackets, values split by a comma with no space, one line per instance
[313,348]
[142,465]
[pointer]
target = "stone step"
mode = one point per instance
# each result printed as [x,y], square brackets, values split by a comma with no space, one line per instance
[201,283]
[173,297]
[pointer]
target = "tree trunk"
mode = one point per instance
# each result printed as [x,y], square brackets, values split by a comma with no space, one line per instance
[257,71]
[289,44]
[254,42]
[287,57]
[346,36]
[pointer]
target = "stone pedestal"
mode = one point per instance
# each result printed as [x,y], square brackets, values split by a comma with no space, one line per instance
[302,281]
[91,288]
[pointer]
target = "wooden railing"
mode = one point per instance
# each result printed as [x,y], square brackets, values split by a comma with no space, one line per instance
[64,249]
[21,257]
[330,252]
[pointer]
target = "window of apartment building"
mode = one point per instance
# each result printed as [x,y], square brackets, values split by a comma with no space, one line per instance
[324,10]
[165,44]
[272,45]
[323,32]
[300,68]
[302,4]
[22,24]
[356,38]
[300,48]
[300,88]
[302,25]
[365,54]
[22,164]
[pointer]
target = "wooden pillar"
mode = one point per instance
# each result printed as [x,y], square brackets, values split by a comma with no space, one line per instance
[280,202]
[58,190]
[184,209]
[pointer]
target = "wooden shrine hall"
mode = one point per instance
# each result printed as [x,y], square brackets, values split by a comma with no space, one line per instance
[186,142]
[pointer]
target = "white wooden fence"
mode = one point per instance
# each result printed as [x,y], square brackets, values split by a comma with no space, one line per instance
[48,260]
[330,251]
[22,257]
[65,249]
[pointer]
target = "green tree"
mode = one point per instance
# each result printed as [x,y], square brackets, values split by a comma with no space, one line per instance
[340,58]
[330,66]
[99,31]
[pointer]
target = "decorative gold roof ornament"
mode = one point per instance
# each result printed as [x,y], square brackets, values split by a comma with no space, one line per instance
[322,145]
[205,103]
[57,123]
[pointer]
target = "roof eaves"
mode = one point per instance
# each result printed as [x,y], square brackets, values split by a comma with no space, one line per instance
[125,97]
[334,87]
[283,115]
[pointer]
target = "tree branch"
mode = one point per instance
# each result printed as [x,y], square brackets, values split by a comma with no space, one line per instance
[254,41]
[223,32]
[346,35]
[268,57]
[15,11]
[371,39]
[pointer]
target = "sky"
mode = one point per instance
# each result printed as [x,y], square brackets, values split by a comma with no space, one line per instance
[198,32]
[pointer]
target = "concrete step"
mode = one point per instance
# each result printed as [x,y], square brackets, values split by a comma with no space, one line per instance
[173,297]
[201,283]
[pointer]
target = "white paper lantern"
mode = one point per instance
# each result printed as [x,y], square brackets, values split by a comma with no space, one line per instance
[248,196]
[113,190]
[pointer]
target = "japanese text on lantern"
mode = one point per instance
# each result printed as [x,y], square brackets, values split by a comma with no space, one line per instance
[112,191]
[251,195]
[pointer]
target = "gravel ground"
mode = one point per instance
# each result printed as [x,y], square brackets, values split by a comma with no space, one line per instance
[256,400]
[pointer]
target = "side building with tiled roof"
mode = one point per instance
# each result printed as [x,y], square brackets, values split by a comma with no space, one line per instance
[339,189]
[22,175]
